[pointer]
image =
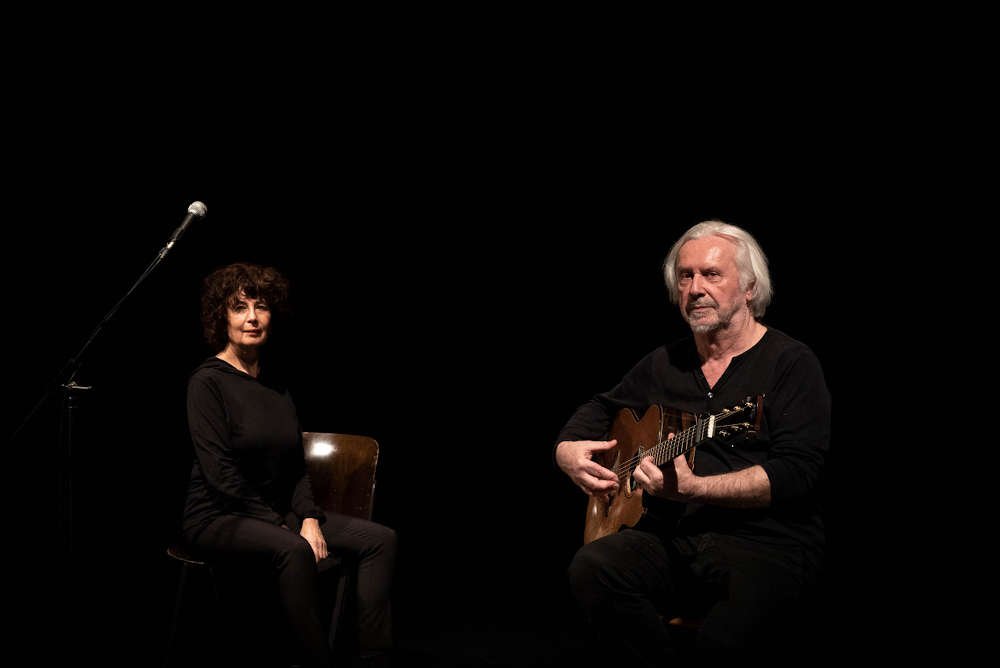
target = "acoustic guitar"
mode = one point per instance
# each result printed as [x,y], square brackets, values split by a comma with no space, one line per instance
[647,436]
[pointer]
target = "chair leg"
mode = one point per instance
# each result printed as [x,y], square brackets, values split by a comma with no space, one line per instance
[336,619]
[168,655]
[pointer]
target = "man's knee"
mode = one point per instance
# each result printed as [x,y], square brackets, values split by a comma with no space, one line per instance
[585,572]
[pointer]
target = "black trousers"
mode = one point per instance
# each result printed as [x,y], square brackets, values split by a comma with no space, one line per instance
[285,557]
[749,592]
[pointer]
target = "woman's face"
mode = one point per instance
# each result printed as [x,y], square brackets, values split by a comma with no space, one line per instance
[249,320]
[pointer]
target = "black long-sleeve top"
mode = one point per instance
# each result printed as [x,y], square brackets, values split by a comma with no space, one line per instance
[791,445]
[249,459]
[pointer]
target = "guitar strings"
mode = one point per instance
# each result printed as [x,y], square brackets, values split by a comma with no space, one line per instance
[684,438]
[681,442]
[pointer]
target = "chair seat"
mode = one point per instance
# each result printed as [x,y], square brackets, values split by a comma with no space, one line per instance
[182,553]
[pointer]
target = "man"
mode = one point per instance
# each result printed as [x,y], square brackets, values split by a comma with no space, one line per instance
[741,535]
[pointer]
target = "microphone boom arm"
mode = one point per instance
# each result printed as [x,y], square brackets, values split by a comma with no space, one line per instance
[72,365]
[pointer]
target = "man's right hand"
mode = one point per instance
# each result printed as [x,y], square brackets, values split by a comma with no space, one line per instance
[576,459]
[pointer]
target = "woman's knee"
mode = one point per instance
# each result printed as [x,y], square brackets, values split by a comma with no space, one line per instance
[385,541]
[297,551]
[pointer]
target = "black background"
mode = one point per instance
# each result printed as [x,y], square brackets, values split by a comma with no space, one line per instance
[458,290]
[473,212]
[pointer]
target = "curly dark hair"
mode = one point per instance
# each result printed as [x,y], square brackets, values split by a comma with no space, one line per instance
[223,288]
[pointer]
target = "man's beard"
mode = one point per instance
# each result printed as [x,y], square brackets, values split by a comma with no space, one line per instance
[723,318]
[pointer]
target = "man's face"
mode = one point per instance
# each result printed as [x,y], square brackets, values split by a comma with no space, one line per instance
[709,284]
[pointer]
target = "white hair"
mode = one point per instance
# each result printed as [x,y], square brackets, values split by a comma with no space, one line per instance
[750,260]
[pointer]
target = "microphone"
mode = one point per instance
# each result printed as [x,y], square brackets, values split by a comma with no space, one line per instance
[196,210]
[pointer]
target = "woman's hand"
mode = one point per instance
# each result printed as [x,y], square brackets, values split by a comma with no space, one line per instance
[311,532]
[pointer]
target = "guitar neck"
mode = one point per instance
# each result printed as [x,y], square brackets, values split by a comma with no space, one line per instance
[721,425]
[670,449]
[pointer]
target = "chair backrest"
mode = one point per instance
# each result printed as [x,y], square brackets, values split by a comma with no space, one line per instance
[342,471]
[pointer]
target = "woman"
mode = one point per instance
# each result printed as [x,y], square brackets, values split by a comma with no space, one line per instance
[249,500]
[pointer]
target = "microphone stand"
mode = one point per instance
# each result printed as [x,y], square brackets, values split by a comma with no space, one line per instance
[72,392]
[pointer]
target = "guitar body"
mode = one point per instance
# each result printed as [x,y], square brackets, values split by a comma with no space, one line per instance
[635,436]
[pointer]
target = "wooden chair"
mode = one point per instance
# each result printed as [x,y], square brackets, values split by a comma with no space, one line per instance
[342,471]
[689,623]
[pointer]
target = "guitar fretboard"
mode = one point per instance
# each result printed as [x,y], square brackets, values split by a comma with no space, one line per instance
[665,450]
[671,448]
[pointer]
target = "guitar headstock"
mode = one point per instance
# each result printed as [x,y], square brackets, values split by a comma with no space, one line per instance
[742,417]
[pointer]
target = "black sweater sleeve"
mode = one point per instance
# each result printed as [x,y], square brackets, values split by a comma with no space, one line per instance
[303,504]
[592,420]
[799,411]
